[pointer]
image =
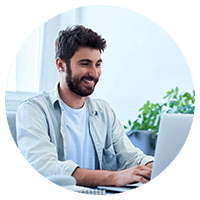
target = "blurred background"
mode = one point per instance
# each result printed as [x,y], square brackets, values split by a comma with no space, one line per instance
[141,61]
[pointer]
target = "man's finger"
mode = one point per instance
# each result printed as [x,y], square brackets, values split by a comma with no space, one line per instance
[138,178]
[144,173]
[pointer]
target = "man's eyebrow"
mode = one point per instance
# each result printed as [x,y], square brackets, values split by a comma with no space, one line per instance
[100,60]
[87,60]
[84,60]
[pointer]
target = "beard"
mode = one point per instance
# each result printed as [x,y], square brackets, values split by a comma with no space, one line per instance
[75,86]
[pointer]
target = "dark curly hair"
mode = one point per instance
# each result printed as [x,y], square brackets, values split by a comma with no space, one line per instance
[72,38]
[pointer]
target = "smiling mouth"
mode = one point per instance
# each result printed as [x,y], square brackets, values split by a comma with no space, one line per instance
[88,81]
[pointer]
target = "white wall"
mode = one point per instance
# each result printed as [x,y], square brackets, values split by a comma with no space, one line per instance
[141,62]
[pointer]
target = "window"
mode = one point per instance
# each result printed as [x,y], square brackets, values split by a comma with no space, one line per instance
[34,69]
[25,70]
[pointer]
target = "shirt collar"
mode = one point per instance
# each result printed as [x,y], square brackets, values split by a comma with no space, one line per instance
[93,109]
[55,97]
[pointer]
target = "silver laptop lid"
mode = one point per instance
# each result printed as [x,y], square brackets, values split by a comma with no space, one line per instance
[173,132]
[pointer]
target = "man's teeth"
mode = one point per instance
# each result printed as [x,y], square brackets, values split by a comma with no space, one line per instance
[87,81]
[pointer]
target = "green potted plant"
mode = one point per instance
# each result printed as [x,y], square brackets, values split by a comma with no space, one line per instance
[143,131]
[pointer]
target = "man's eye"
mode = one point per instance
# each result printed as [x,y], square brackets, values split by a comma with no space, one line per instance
[84,64]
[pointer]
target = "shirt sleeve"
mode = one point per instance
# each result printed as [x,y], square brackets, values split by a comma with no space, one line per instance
[127,154]
[35,143]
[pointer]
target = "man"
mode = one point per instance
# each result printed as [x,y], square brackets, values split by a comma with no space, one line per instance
[64,132]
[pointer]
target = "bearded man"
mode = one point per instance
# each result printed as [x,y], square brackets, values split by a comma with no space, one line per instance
[65,132]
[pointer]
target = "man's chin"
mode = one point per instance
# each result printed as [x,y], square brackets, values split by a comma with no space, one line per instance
[84,92]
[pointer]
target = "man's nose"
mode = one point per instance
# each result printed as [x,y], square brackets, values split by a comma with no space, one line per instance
[95,72]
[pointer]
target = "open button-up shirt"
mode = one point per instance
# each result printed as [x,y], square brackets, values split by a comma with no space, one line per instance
[42,136]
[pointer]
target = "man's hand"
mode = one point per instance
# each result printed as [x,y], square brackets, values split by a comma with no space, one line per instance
[93,178]
[140,173]
[150,164]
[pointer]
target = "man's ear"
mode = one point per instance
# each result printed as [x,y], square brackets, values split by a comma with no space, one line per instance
[61,65]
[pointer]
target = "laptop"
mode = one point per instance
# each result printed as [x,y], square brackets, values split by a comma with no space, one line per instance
[173,132]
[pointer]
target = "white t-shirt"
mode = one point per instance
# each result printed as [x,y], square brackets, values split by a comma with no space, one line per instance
[80,147]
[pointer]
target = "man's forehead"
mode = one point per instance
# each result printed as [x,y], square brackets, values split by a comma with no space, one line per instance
[87,53]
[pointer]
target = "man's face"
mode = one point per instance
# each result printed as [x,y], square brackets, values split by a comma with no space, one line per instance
[84,71]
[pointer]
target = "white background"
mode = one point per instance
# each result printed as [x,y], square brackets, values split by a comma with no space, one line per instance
[141,62]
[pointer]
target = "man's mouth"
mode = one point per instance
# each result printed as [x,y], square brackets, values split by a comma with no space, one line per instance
[88,81]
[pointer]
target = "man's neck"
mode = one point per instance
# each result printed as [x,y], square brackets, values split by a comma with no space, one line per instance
[71,99]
